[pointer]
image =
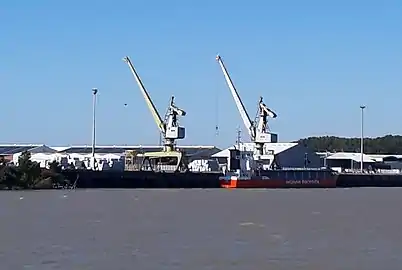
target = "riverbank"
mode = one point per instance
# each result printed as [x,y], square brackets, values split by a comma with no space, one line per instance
[29,175]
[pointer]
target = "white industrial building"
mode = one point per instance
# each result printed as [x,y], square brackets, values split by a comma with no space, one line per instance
[343,160]
[12,152]
[346,161]
[107,157]
[287,155]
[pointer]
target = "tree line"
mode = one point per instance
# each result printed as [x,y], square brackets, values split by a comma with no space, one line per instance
[29,175]
[389,144]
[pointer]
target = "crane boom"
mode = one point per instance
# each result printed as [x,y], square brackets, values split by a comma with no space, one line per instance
[157,118]
[239,103]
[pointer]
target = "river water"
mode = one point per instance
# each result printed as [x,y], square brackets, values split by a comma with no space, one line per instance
[202,229]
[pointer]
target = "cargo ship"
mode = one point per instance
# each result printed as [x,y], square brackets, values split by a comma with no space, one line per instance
[243,172]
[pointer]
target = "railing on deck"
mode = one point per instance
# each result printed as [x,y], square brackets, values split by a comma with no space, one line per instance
[378,171]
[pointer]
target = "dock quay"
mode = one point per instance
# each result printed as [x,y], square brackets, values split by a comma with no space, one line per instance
[147,179]
[142,179]
[358,179]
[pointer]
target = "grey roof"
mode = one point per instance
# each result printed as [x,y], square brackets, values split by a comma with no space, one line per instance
[14,149]
[42,149]
[11,149]
[195,151]
[189,150]
[202,153]
[87,150]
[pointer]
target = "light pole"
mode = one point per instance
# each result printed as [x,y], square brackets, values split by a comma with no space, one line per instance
[362,138]
[94,92]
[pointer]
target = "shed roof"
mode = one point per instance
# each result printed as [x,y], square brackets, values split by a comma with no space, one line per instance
[116,149]
[11,149]
[275,147]
[191,150]
[375,157]
[385,157]
[351,156]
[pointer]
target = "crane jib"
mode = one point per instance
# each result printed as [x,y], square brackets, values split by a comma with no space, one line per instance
[239,103]
[157,118]
[169,126]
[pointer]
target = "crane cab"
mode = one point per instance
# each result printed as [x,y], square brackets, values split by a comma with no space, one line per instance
[173,132]
[266,137]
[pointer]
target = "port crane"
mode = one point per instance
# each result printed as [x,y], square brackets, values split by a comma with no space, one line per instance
[257,129]
[169,128]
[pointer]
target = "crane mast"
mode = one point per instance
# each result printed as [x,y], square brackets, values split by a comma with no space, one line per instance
[169,128]
[261,118]
[258,129]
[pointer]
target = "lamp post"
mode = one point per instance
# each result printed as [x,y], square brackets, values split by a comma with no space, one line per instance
[362,138]
[94,92]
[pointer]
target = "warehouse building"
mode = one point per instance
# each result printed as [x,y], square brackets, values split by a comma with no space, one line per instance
[11,152]
[286,155]
[113,156]
[345,161]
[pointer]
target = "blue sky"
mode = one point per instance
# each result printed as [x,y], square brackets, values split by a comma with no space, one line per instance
[313,62]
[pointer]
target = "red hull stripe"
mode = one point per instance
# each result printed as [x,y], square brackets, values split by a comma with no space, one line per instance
[272,183]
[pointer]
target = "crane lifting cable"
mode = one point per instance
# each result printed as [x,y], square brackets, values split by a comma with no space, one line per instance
[216,113]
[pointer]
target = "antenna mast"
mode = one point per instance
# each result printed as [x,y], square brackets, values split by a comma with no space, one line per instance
[238,140]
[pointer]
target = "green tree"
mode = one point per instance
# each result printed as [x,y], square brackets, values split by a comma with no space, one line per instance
[30,172]
[53,176]
[389,144]
[29,175]
[2,161]
[54,167]
[8,174]
[9,177]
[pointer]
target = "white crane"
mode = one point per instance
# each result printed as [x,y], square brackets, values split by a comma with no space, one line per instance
[169,127]
[258,129]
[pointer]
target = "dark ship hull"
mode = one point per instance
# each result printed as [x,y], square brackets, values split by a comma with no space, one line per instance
[142,179]
[345,180]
